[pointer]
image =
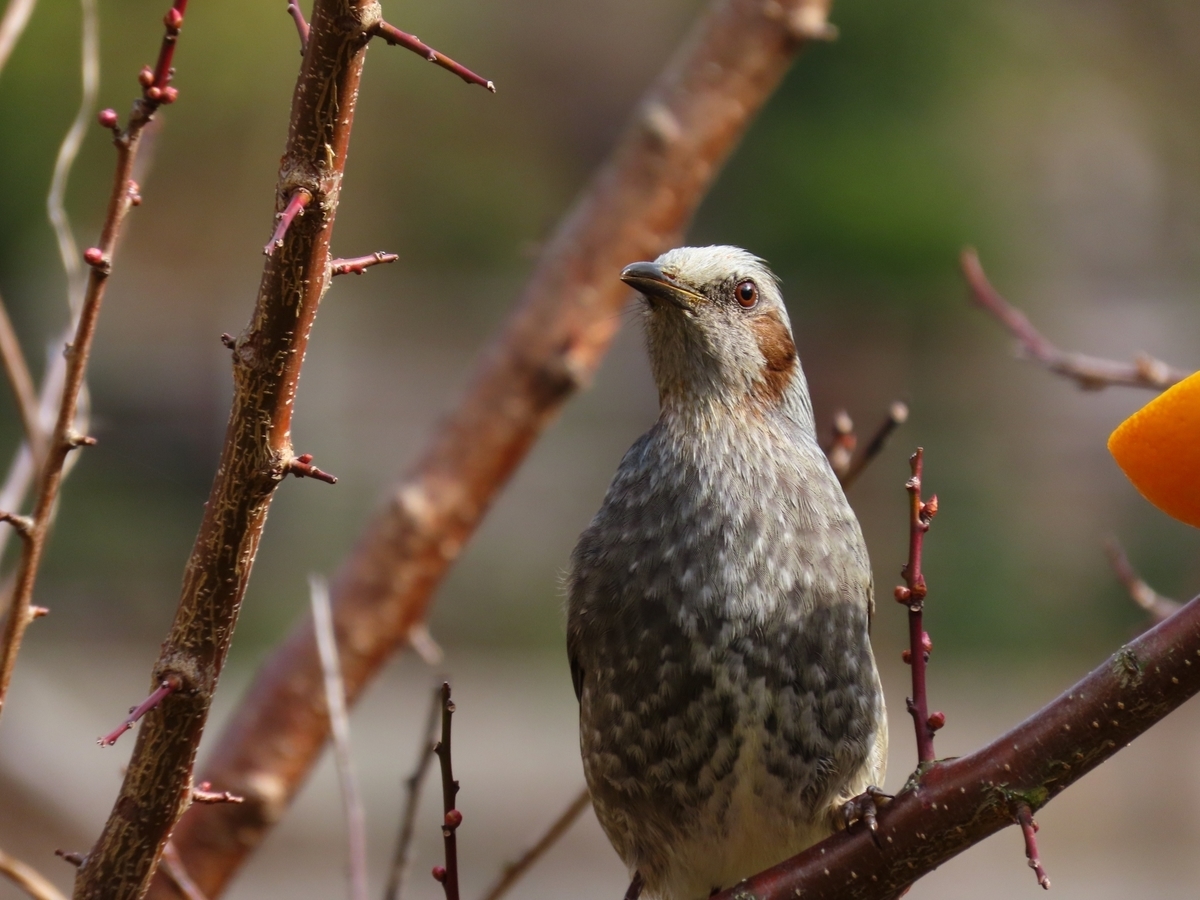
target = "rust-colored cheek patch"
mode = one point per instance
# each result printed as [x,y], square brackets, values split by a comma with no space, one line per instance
[779,353]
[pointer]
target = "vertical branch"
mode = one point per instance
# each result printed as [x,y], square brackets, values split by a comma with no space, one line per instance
[257,453]
[912,594]
[339,723]
[412,788]
[636,206]
[448,875]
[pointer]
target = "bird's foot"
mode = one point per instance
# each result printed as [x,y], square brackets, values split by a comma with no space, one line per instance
[865,809]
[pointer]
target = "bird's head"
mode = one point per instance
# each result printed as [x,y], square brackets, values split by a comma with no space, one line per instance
[718,332]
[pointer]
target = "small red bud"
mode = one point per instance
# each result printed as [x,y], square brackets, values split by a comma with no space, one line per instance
[146,77]
[906,655]
[154,93]
[107,118]
[902,594]
[936,720]
[926,642]
[93,256]
[170,94]
[173,19]
[304,458]
[453,818]
[439,874]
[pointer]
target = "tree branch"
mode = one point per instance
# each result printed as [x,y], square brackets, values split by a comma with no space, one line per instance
[64,438]
[636,207]
[28,879]
[1089,372]
[513,872]
[950,805]
[266,368]
[12,26]
[412,789]
[1155,604]
[448,875]
[21,382]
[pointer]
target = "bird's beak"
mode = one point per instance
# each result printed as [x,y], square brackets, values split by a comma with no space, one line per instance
[649,279]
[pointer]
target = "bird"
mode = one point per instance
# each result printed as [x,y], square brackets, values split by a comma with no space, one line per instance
[719,603]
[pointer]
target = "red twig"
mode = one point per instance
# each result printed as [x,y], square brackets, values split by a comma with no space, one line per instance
[1154,603]
[1029,829]
[63,439]
[302,467]
[396,37]
[295,207]
[1089,372]
[356,265]
[158,89]
[913,596]
[203,793]
[301,25]
[168,686]
[448,875]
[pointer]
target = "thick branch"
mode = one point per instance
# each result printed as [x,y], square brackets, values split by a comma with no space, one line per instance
[951,805]
[1089,372]
[266,368]
[635,208]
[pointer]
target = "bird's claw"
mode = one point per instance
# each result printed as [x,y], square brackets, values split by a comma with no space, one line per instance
[865,809]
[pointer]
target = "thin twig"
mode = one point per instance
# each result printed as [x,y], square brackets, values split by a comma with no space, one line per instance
[168,686]
[12,26]
[302,467]
[1029,829]
[637,205]
[897,416]
[356,265]
[1154,603]
[513,872]
[297,15]
[1089,372]
[28,879]
[203,793]
[295,207]
[173,865]
[396,37]
[950,805]
[20,381]
[912,595]
[339,725]
[398,872]
[452,818]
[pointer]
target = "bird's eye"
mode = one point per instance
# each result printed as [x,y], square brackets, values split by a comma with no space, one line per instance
[747,293]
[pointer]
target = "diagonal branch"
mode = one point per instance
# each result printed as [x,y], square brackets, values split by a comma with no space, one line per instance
[12,26]
[1090,372]
[950,805]
[1155,604]
[513,872]
[28,879]
[636,206]
[20,380]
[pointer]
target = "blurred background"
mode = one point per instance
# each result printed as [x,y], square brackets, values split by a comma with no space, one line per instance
[1060,139]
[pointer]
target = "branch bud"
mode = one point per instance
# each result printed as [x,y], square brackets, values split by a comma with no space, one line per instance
[936,720]
[107,118]
[439,874]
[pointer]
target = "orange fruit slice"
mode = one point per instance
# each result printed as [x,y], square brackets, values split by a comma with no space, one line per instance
[1158,448]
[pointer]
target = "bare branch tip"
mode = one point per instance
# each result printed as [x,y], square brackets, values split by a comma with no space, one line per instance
[302,467]
[75,859]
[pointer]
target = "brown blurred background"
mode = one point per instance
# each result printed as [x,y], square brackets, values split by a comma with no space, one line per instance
[1061,139]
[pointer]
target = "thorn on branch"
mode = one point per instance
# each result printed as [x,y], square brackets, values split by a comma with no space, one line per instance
[37,612]
[808,22]
[75,440]
[75,859]
[295,206]
[229,340]
[396,37]
[1154,603]
[1089,372]
[22,525]
[301,25]
[358,264]
[168,686]
[912,594]
[302,467]
[203,793]
[1029,829]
